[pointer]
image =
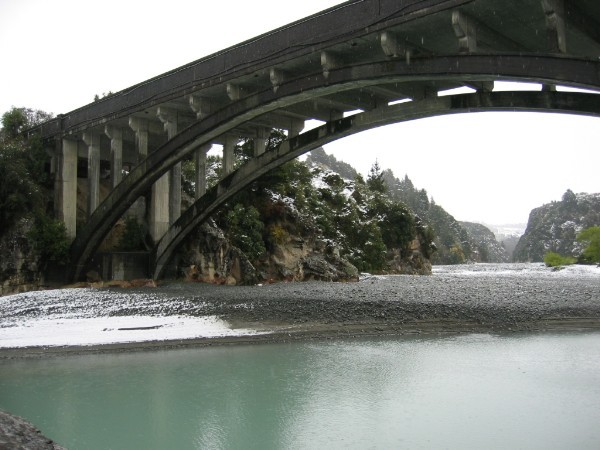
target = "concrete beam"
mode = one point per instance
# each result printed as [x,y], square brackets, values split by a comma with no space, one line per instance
[115,134]
[466,32]
[92,140]
[555,24]
[393,48]
[66,185]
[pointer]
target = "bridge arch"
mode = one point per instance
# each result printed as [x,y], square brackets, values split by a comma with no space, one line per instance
[466,68]
[208,204]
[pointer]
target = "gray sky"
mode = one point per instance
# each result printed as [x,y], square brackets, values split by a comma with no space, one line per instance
[488,167]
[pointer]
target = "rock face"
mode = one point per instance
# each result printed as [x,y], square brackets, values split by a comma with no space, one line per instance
[208,257]
[554,227]
[485,247]
[17,433]
[415,263]
[19,268]
[302,258]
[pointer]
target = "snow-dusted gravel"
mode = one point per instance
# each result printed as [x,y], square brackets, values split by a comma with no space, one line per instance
[482,296]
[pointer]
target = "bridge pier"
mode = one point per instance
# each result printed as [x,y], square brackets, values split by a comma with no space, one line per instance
[260,143]
[92,140]
[65,201]
[228,147]
[115,135]
[172,194]
[200,160]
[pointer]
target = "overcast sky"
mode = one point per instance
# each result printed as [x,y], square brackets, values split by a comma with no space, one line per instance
[487,167]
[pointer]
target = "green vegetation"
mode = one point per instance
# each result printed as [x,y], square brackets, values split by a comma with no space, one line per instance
[25,186]
[244,229]
[591,254]
[24,181]
[298,199]
[591,237]
[49,240]
[133,237]
[552,259]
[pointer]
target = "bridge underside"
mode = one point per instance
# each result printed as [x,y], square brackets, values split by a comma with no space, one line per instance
[360,58]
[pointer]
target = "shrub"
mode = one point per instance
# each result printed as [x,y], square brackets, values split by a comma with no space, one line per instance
[49,240]
[591,237]
[133,237]
[552,259]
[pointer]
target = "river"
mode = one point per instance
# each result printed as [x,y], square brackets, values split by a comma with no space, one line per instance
[473,391]
[435,389]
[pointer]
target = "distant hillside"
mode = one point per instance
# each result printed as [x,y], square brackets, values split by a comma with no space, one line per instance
[508,235]
[455,242]
[318,158]
[486,248]
[554,227]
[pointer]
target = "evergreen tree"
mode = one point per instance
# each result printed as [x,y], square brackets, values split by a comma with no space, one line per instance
[375,179]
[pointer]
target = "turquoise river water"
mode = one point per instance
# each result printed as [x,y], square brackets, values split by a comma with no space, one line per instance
[529,391]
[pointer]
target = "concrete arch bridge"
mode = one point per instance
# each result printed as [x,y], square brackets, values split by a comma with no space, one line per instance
[356,66]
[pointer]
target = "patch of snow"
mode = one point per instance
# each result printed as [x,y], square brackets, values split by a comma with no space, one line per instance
[110,330]
[369,277]
[515,270]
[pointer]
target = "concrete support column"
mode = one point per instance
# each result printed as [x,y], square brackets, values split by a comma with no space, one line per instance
[260,143]
[115,135]
[296,128]
[465,31]
[92,140]
[555,24]
[202,106]
[169,119]
[230,142]
[140,128]
[200,160]
[66,185]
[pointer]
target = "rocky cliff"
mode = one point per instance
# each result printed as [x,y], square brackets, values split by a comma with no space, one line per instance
[485,247]
[19,267]
[553,227]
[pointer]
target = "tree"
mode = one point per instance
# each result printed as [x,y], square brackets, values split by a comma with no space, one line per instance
[23,173]
[591,237]
[375,179]
[19,192]
[244,229]
[49,240]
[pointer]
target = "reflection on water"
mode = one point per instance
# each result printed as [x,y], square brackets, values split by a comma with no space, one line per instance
[471,391]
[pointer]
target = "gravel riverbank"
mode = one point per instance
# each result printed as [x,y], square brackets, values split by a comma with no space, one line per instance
[508,297]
